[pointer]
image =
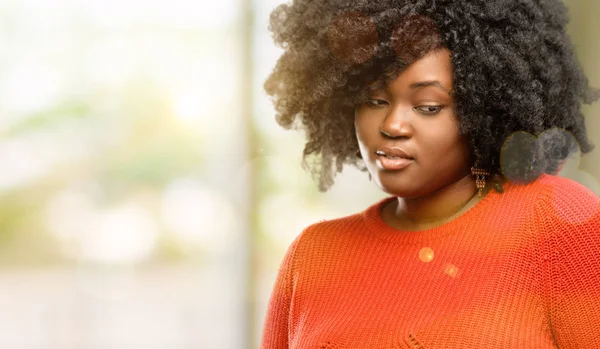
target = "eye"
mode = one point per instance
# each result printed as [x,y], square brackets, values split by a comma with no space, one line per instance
[428,109]
[375,103]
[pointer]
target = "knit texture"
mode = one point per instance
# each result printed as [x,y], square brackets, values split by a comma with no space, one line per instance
[520,269]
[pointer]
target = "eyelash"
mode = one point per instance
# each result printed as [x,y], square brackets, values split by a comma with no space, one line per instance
[437,107]
[377,103]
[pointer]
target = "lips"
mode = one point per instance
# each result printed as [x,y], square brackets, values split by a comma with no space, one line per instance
[393,152]
[393,159]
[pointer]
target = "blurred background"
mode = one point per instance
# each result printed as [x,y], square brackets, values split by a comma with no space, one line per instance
[147,195]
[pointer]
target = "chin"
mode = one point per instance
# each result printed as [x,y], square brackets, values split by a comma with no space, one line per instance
[401,188]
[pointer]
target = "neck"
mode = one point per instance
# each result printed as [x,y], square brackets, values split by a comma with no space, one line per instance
[437,207]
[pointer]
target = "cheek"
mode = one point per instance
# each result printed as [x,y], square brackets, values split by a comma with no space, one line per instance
[358,129]
[365,130]
[445,146]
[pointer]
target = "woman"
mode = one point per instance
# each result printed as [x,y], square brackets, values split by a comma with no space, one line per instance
[461,111]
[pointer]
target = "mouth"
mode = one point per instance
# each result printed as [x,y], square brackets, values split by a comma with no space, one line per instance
[393,153]
[393,159]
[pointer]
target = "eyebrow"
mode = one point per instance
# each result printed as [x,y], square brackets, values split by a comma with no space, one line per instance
[435,83]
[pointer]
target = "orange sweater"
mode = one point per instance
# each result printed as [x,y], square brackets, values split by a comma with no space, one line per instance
[518,270]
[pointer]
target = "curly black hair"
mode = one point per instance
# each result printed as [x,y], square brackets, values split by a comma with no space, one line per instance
[514,69]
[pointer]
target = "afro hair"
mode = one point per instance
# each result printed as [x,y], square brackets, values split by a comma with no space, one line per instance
[514,71]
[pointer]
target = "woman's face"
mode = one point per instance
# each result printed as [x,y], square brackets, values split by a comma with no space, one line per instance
[408,131]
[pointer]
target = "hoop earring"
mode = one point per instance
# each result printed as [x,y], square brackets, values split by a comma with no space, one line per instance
[479,174]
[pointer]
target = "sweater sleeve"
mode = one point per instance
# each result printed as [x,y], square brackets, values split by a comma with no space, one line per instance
[276,326]
[570,216]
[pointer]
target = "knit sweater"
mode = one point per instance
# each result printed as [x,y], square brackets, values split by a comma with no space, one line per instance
[520,269]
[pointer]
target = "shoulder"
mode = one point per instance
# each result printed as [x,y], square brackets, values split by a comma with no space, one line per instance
[549,195]
[331,234]
[566,199]
[564,186]
[330,229]
[569,217]
[552,186]
[569,214]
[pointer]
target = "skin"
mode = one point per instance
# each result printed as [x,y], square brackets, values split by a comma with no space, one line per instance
[416,113]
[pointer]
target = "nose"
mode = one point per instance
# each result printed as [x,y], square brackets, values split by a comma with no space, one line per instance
[397,124]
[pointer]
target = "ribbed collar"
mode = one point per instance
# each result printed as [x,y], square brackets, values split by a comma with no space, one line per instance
[374,222]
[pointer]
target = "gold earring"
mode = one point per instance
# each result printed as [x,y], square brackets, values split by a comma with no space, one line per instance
[479,174]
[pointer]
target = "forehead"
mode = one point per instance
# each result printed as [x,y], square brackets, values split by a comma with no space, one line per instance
[435,66]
